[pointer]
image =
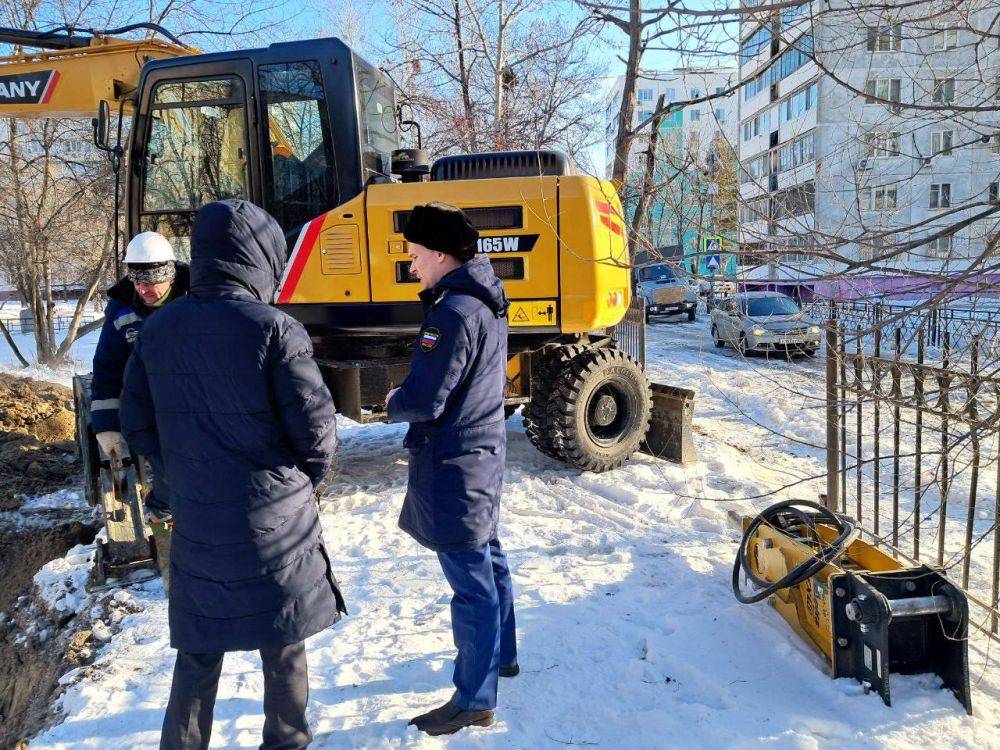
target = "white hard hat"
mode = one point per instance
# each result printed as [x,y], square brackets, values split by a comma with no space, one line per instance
[149,247]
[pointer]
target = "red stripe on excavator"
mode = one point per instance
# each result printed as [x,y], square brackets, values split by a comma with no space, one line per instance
[606,220]
[50,87]
[604,208]
[300,255]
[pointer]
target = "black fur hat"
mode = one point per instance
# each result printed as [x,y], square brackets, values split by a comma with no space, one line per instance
[442,227]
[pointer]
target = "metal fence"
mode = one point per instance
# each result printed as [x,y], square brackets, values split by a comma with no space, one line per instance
[935,326]
[910,440]
[60,323]
[630,333]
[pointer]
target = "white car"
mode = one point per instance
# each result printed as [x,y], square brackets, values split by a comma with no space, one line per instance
[764,322]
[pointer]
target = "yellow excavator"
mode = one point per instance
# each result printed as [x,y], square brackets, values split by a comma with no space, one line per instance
[310,131]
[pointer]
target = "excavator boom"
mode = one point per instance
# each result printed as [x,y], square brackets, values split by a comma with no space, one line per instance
[71,74]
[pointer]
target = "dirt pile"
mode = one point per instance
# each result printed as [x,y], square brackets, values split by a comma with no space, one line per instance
[37,428]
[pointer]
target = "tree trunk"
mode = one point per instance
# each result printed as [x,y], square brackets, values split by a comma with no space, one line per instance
[645,192]
[12,345]
[463,78]
[626,134]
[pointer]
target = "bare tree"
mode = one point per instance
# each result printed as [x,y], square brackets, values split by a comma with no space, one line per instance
[56,191]
[496,74]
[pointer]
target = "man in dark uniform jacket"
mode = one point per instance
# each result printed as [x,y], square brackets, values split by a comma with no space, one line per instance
[453,400]
[154,278]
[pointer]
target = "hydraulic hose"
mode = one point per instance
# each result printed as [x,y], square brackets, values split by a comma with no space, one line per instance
[781,516]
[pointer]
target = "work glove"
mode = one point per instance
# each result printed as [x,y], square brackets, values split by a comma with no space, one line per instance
[110,440]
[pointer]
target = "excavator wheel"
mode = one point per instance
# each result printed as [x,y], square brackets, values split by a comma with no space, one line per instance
[599,409]
[537,426]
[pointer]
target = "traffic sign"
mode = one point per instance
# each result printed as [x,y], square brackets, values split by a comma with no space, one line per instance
[713,263]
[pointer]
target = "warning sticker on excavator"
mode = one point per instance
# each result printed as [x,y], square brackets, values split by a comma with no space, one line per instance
[533,313]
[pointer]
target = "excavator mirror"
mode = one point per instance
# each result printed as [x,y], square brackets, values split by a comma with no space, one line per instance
[100,124]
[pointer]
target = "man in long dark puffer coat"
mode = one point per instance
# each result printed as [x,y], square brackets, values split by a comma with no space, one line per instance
[222,386]
[453,399]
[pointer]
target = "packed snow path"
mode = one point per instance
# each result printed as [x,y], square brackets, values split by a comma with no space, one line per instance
[629,636]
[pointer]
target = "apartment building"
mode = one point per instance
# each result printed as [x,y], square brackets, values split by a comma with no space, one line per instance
[860,130]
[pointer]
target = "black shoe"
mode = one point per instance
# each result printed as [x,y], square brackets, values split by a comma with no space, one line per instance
[449,718]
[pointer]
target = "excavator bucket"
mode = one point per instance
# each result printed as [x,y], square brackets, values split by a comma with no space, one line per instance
[670,434]
[117,484]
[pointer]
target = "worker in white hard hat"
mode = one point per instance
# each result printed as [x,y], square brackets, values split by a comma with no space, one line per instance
[154,277]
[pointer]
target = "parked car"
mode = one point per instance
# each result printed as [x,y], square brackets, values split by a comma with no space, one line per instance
[764,322]
[665,291]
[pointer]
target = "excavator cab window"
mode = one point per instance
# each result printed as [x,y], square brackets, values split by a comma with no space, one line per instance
[196,153]
[377,120]
[301,173]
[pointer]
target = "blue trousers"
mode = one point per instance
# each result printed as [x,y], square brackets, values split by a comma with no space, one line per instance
[482,622]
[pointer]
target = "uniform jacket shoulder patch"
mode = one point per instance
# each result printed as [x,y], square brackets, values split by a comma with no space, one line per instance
[429,338]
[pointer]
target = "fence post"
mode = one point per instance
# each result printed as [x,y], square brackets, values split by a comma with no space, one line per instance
[832,417]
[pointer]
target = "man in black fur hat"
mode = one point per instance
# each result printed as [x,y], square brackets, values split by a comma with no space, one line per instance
[453,399]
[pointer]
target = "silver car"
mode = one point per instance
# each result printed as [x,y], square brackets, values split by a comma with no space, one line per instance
[764,322]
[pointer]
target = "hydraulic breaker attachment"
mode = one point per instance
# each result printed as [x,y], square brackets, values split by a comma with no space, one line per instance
[670,434]
[117,484]
[866,613]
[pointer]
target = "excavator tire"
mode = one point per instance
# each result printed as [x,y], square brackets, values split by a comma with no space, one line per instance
[599,410]
[537,426]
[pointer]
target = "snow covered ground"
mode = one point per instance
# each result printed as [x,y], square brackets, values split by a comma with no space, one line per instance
[82,355]
[629,636]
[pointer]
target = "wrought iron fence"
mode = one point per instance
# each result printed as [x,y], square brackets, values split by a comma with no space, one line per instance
[936,326]
[630,333]
[918,434]
[60,323]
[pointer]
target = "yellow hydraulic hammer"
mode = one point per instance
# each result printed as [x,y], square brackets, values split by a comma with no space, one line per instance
[866,613]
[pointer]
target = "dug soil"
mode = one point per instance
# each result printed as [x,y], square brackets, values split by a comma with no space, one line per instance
[37,456]
[37,429]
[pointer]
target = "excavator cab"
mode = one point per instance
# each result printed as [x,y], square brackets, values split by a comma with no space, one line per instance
[297,128]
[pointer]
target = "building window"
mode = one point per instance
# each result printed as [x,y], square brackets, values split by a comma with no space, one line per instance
[946,39]
[790,15]
[757,41]
[944,90]
[798,103]
[671,94]
[878,199]
[720,89]
[645,95]
[720,115]
[795,201]
[942,141]
[882,89]
[880,144]
[695,93]
[995,143]
[939,248]
[695,115]
[994,192]
[941,195]
[885,38]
